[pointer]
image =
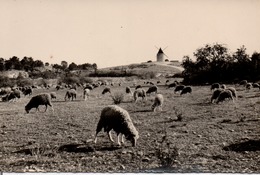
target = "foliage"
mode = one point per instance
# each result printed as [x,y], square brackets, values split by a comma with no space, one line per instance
[215,64]
[84,79]
[118,98]
[24,82]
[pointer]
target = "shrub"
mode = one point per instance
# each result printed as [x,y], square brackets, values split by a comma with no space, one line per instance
[149,61]
[118,98]
[24,82]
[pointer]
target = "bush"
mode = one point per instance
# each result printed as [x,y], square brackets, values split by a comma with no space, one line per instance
[24,82]
[118,98]
[149,61]
[6,82]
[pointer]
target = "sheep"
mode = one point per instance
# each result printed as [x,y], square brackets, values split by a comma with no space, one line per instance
[215,86]
[158,82]
[86,93]
[256,85]
[158,102]
[128,90]
[53,95]
[70,94]
[12,95]
[139,93]
[225,94]
[118,119]
[106,90]
[152,89]
[249,86]
[36,101]
[58,87]
[233,91]
[27,92]
[138,86]
[223,86]
[89,86]
[178,88]
[172,85]
[243,82]
[186,89]
[215,94]
[167,81]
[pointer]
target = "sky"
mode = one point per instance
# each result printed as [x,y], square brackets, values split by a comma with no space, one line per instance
[120,32]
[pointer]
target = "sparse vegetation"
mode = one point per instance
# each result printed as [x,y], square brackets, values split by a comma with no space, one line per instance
[118,97]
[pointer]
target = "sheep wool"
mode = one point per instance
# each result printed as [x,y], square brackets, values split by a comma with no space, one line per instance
[158,102]
[215,94]
[226,94]
[116,118]
[139,93]
[72,93]
[36,101]
[152,89]
[186,90]
[86,93]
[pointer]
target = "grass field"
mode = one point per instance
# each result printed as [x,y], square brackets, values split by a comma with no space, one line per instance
[189,135]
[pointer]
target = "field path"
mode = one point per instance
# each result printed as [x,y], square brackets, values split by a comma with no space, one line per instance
[168,65]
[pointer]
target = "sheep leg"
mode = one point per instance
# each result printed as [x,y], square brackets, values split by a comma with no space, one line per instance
[122,138]
[110,137]
[46,108]
[118,139]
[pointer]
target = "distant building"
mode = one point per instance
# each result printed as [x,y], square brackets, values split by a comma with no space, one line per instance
[160,56]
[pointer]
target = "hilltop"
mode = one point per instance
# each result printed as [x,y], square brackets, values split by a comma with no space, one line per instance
[158,68]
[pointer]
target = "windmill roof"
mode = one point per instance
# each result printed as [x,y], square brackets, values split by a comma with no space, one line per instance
[160,51]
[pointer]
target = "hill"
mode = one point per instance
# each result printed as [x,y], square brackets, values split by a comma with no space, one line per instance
[159,68]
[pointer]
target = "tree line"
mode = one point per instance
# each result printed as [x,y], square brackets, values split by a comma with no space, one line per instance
[29,64]
[214,63]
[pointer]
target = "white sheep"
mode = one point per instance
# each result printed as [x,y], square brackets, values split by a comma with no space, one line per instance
[86,93]
[139,93]
[249,86]
[158,102]
[36,101]
[116,118]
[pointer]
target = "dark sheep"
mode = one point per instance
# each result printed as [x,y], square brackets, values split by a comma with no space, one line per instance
[215,94]
[186,90]
[138,86]
[256,85]
[178,88]
[128,90]
[152,89]
[27,92]
[139,93]
[226,94]
[215,86]
[172,85]
[53,95]
[36,101]
[106,90]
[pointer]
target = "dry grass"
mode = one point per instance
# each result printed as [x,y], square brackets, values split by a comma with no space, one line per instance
[201,137]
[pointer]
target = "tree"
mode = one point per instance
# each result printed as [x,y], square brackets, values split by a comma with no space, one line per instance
[46,64]
[64,65]
[13,63]
[72,66]
[27,63]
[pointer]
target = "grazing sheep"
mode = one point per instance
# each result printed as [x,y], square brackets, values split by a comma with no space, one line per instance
[53,95]
[186,90]
[86,93]
[158,82]
[167,81]
[215,94]
[256,85]
[243,82]
[89,86]
[58,87]
[36,101]
[158,102]
[116,118]
[215,86]
[225,94]
[178,88]
[249,86]
[233,91]
[152,89]
[70,94]
[223,86]
[139,93]
[106,90]
[138,87]
[27,92]
[172,85]
[128,90]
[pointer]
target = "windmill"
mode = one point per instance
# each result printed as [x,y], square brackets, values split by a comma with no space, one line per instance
[160,55]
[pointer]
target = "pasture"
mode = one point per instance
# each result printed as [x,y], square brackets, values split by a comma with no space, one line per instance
[189,135]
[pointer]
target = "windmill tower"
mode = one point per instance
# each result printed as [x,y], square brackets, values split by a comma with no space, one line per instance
[160,55]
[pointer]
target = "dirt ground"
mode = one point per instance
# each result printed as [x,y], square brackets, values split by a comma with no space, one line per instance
[189,135]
